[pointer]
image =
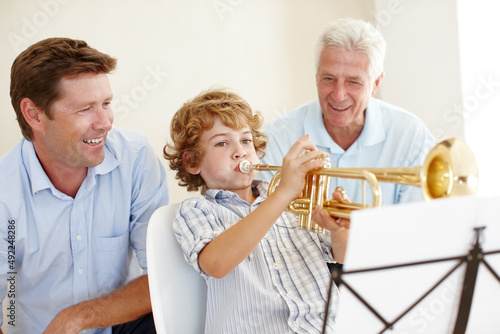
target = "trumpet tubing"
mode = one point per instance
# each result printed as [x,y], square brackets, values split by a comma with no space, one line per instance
[449,169]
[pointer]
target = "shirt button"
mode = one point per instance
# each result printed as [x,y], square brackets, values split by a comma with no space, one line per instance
[80,271]
[275,266]
[296,324]
[78,237]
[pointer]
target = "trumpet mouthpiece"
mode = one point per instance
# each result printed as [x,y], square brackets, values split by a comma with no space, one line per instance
[245,166]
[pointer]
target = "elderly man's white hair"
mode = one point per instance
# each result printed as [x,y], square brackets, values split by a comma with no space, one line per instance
[356,35]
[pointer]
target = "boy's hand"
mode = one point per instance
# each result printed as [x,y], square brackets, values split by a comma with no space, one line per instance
[302,157]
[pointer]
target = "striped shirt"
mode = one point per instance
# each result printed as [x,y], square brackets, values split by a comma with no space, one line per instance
[281,287]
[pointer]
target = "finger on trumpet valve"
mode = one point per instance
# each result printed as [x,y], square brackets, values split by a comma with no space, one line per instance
[326,158]
[342,194]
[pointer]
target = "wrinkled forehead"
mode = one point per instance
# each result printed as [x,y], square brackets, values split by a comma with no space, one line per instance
[345,62]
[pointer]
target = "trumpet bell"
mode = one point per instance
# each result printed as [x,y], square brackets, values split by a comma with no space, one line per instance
[450,169]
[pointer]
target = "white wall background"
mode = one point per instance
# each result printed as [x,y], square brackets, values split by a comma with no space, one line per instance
[480,70]
[170,50]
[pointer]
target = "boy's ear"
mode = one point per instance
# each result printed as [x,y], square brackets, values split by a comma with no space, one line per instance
[186,158]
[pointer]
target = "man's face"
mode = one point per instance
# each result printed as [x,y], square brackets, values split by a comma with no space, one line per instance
[224,149]
[81,119]
[344,88]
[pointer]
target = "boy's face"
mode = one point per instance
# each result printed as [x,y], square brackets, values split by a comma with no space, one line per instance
[225,148]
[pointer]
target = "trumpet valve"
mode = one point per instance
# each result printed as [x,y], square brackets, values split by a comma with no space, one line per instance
[326,159]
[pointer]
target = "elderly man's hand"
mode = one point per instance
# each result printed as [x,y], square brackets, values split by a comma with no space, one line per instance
[325,220]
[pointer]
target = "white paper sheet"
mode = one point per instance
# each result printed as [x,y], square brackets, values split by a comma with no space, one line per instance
[420,232]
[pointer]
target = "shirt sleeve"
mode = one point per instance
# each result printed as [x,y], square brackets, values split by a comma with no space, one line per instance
[326,244]
[195,225]
[150,191]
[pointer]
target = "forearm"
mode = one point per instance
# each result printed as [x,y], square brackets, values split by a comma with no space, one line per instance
[229,249]
[339,244]
[125,304]
[339,231]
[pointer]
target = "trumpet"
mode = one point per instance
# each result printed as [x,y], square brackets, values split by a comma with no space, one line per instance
[449,169]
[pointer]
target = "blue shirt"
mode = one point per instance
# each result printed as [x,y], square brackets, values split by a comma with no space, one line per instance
[281,287]
[55,250]
[391,137]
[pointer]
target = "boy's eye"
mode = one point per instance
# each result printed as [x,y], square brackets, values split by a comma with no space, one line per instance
[221,144]
[246,141]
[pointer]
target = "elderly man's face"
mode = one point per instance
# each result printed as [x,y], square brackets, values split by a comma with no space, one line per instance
[344,88]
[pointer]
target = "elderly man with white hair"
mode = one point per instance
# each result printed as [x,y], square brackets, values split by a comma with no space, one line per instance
[345,120]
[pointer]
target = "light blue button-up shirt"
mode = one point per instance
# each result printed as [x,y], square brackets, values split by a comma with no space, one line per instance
[391,137]
[55,250]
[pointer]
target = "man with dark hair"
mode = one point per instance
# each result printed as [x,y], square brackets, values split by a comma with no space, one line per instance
[76,199]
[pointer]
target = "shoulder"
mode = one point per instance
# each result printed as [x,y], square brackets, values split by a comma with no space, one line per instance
[125,143]
[194,203]
[401,124]
[392,113]
[15,181]
[287,128]
[403,130]
[194,212]
[295,116]
[11,164]
[126,139]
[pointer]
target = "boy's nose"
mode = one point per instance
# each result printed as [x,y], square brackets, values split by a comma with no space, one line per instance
[239,153]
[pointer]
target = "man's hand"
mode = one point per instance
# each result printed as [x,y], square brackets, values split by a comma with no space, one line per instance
[325,220]
[126,304]
[66,322]
[339,228]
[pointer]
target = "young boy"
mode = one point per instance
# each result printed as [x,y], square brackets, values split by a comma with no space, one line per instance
[264,274]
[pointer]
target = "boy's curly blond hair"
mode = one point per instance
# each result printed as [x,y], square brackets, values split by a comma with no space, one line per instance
[197,116]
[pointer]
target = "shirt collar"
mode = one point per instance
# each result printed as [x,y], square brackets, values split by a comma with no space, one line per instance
[39,179]
[373,130]
[259,188]
[106,166]
[314,126]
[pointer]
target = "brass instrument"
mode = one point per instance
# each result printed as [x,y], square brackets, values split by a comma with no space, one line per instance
[449,169]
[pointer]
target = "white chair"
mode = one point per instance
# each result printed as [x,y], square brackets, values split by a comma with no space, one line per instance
[178,292]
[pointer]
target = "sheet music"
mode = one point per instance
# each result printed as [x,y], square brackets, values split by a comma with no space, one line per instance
[420,232]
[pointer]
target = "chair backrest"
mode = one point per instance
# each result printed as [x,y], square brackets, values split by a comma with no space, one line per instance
[178,292]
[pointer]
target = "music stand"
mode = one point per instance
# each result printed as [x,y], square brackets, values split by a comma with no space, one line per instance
[426,267]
